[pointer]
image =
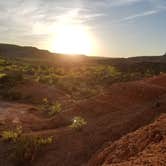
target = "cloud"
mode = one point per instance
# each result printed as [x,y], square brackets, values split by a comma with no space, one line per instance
[146,13]
[123,2]
[39,18]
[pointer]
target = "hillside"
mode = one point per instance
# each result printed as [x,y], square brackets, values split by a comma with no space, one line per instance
[146,146]
[17,51]
[140,64]
[80,111]
[115,113]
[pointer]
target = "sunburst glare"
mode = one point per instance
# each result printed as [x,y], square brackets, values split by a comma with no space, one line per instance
[72,39]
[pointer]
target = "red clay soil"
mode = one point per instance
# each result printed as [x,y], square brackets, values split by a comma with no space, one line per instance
[36,91]
[146,146]
[158,80]
[124,108]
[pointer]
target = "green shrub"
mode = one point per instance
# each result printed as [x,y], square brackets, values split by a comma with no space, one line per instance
[2,75]
[12,135]
[44,141]
[9,135]
[51,109]
[3,62]
[78,123]
[27,148]
[11,79]
[45,101]
[45,104]
[55,108]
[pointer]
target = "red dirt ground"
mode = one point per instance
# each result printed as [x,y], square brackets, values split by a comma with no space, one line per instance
[122,109]
[146,146]
[37,91]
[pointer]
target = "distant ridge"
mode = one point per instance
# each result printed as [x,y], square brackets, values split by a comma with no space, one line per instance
[10,50]
[14,51]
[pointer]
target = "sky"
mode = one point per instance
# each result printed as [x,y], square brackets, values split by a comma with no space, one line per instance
[116,28]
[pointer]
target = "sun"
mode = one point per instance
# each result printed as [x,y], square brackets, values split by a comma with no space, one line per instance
[72,40]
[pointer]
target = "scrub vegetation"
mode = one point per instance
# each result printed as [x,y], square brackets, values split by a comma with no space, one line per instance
[52,104]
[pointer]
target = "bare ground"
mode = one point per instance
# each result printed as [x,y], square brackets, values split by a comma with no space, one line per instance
[122,109]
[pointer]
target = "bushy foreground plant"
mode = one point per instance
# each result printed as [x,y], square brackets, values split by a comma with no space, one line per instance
[51,108]
[54,109]
[9,80]
[78,123]
[45,104]
[12,135]
[26,149]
